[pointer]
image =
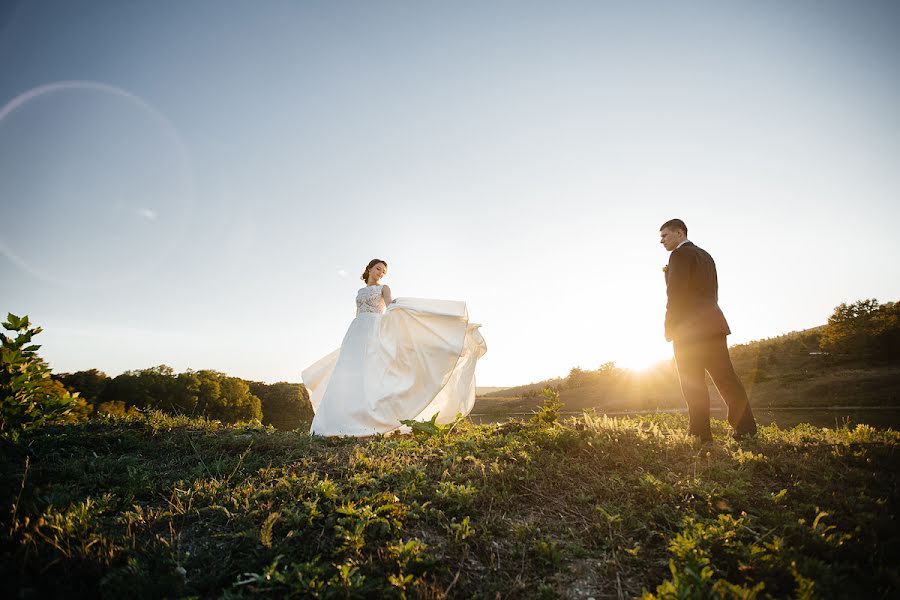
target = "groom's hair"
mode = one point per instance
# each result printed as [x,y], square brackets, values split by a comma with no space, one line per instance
[674,225]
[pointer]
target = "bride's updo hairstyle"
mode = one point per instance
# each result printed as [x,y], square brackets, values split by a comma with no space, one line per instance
[372,263]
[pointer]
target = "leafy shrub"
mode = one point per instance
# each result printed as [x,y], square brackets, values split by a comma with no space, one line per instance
[28,397]
[549,412]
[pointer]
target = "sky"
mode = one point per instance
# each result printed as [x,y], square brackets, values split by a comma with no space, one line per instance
[200,184]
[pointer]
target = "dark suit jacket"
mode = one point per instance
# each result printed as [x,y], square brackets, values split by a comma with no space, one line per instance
[693,291]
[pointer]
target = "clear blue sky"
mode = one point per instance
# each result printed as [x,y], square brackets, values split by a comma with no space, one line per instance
[200,183]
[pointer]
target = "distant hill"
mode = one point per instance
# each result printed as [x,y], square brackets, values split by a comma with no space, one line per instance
[788,370]
[482,390]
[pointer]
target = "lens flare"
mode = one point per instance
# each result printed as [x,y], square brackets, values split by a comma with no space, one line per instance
[98,171]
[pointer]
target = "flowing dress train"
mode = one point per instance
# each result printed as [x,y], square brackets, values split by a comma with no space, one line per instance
[411,360]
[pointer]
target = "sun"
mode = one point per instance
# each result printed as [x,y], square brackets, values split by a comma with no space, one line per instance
[639,357]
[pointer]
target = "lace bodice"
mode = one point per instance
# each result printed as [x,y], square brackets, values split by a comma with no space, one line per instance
[370,300]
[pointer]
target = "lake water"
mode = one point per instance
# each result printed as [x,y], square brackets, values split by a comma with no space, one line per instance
[881,418]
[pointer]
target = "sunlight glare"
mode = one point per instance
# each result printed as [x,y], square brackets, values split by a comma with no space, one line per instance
[637,357]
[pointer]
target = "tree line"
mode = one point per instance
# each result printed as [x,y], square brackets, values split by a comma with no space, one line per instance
[206,393]
[30,394]
[864,332]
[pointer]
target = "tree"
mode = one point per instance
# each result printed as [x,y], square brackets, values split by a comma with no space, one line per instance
[204,386]
[236,402]
[864,329]
[28,397]
[202,393]
[89,384]
[608,368]
[128,389]
[156,387]
[603,376]
[577,378]
[285,406]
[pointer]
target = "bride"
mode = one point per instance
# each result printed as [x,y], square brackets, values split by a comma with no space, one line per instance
[403,358]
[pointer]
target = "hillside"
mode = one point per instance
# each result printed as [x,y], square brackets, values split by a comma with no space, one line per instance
[788,370]
[482,390]
[154,506]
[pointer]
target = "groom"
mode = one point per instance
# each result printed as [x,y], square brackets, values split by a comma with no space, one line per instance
[696,326]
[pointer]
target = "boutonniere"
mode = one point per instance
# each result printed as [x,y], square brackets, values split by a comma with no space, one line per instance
[666,269]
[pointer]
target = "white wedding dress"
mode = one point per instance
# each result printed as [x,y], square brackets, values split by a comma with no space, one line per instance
[413,360]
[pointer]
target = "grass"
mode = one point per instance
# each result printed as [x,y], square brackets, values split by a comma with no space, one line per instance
[658,388]
[157,506]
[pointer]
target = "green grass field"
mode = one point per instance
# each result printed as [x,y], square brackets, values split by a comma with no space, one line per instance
[156,506]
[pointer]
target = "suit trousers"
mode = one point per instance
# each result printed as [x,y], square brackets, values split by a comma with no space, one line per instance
[694,358]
